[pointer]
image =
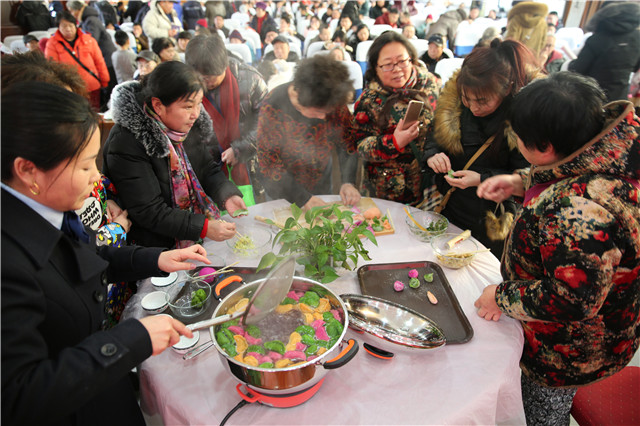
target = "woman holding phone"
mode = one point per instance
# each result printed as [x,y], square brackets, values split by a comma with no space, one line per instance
[394,79]
[58,367]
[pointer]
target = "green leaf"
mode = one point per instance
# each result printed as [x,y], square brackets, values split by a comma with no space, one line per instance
[329,276]
[266,261]
[289,236]
[296,211]
[322,258]
[370,236]
[310,270]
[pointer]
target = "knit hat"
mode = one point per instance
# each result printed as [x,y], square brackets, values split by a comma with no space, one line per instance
[236,34]
[261,5]
[202,22]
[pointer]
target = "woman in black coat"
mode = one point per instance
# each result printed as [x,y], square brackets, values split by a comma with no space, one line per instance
[155,121]
[58,367]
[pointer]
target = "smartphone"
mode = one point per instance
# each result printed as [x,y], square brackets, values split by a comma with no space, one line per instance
[413,113]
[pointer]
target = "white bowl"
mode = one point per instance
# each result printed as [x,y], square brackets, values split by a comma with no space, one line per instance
[456,257]
[155,302]
[160,282]
[259,236]
[185,343]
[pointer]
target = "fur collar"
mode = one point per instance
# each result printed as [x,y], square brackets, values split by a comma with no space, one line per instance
[447,120]
[128,113]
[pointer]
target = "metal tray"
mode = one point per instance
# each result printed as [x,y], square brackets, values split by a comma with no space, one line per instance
[377,280]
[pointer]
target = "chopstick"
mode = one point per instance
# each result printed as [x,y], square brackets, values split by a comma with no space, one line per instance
[414,221]
[220,271]
[451,253]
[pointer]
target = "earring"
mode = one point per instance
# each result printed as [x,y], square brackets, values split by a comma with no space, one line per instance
[34,188]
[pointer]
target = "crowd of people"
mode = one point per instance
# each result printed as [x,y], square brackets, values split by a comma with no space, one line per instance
[542,165]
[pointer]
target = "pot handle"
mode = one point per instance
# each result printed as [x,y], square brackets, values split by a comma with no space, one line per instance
[222,284]
[343,357]
[377,352]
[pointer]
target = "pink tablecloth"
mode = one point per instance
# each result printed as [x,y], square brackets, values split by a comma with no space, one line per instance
[473,383]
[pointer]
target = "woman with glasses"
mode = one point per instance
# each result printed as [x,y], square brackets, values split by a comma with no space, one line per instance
[394,78]
[473,108]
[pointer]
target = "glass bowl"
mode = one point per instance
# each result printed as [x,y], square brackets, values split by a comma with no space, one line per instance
[250,241]
[460,255]
[434,223]
[182,303]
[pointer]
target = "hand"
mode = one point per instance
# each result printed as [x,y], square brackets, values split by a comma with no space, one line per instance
[113,210]
[349,194]
[219,230]
[173,32]
[500,187]
[229,157]
[123,220]
[403,137]
[463,179]
[486,304]
[439,163]
[174,260]
[234,203]
[313,202]
[164,331]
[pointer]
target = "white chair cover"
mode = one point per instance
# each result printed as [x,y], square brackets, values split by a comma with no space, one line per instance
[446,67]
[242,50]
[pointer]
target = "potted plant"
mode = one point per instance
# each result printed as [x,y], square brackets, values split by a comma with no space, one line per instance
[328,239]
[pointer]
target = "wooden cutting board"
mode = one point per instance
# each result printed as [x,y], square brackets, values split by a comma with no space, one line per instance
[281,215]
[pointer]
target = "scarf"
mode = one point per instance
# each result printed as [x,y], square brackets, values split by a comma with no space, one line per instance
[187,193]
[406,92]
[227,126]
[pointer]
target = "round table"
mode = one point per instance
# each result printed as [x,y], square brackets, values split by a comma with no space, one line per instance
[477,382]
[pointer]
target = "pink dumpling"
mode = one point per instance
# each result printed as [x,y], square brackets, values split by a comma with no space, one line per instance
[252,340]
[264,359]
[321,334]
[312,357]
[317,324]
[207,271]
[236,329]
[274,355]
[300,346]
[256,355]
[295,355]
[295,296]
[336,314]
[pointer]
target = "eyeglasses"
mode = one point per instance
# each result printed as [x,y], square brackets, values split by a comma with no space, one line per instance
[402,64]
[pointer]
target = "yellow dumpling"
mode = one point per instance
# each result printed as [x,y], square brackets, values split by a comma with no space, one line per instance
[250,360]
[241,343]
[324,305]
[283,309]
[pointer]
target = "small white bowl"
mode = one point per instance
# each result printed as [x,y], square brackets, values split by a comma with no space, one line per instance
[184,344]
[155,302]
[160,282]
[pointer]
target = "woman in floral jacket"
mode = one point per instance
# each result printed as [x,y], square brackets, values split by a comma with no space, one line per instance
[395,77]
[571,267]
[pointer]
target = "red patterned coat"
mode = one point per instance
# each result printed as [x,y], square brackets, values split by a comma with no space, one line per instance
[572,262]
[391,173]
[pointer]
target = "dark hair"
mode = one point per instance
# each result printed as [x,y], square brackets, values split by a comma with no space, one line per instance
[267,69]
[44,124]
[121,38]
[202,31]
[184,35]
[322,82]
[503,68]
[564,110]
[360,27]
[285,16]
[207,55]
[339,34]
[159,44]
[393,10]
[65,15]
[33,66]
[553,12]
[323,26]
[171,81]
[381,41]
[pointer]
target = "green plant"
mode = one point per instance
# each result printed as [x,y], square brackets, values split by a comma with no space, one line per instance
[330,239]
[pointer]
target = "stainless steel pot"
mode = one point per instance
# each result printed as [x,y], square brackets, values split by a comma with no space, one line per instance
[387,328]
[290,379]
